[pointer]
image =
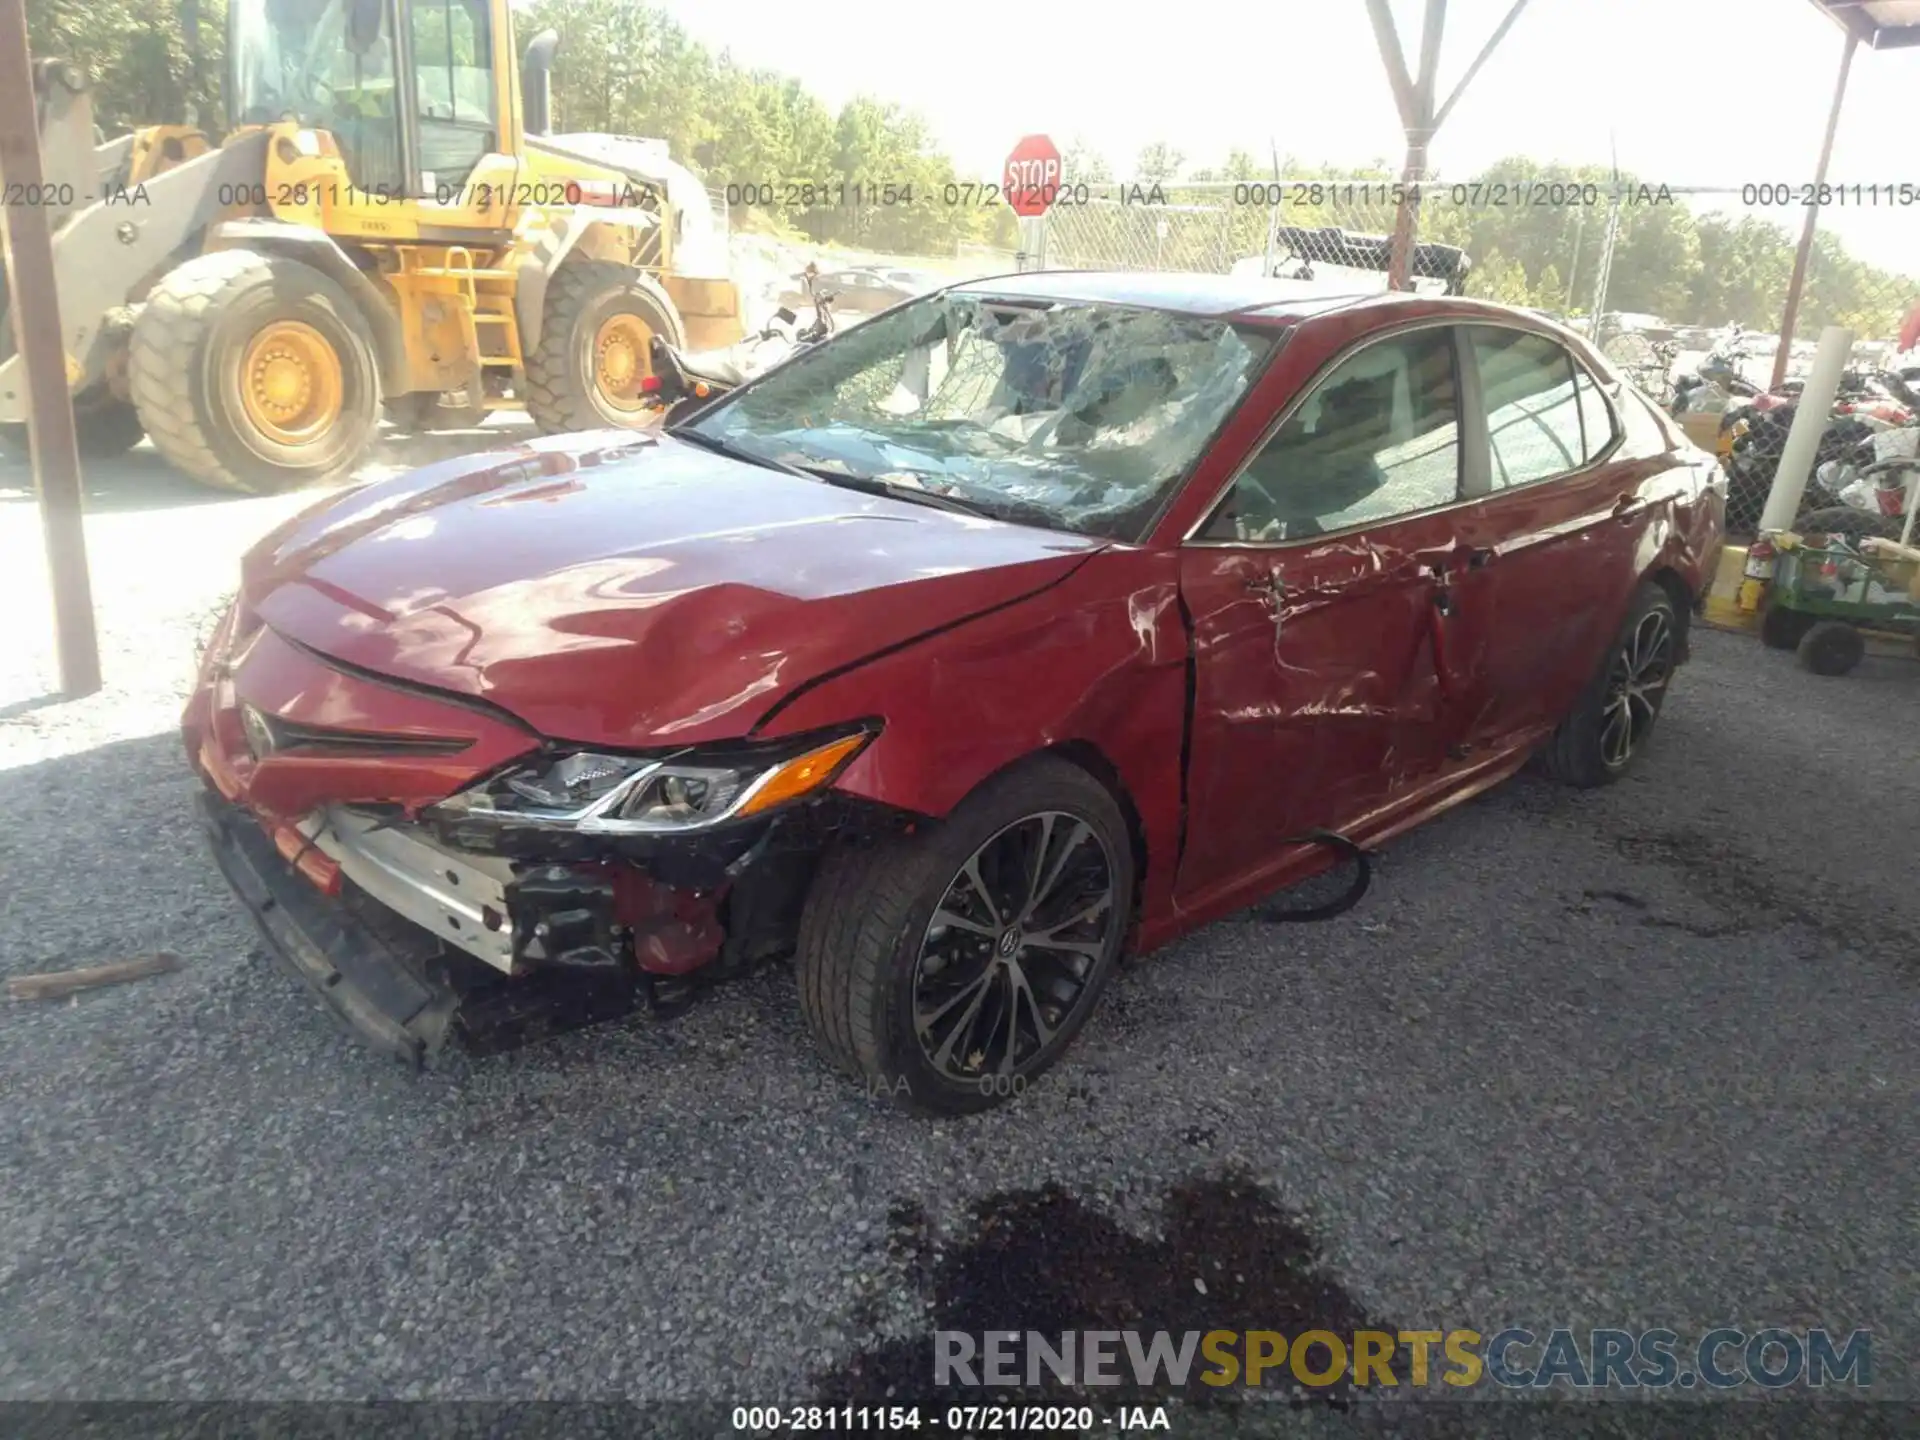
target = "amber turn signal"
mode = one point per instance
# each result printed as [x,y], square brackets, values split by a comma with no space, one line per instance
[804,773]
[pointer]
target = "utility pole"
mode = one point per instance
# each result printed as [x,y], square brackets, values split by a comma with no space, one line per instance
[35,314]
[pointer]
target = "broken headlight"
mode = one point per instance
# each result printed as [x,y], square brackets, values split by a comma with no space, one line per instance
[599,794]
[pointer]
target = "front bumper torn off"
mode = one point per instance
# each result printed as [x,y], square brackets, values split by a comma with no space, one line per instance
[392,983]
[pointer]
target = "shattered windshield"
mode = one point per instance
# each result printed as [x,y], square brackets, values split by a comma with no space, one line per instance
[1072,416]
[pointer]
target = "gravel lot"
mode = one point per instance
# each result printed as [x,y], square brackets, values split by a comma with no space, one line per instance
[1633,1058]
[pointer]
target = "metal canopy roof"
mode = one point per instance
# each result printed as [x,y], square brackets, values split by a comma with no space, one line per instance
[1877,24]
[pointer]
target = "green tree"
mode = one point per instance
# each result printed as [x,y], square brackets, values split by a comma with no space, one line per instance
[1081,163]
[143,73]
[1157,164]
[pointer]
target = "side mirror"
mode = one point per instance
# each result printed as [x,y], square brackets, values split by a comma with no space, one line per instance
[364,18]
[785,315]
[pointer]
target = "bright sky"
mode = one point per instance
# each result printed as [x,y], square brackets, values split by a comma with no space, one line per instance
[1694,92]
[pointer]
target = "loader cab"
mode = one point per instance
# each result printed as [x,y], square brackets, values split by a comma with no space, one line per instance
[420,97]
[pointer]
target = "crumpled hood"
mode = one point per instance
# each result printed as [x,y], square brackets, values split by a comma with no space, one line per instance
[628,589]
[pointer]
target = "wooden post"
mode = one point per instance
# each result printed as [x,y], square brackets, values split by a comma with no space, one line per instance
[35,314]
[1420,117]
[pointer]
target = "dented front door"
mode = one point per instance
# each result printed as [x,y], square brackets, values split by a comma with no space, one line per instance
[1316,697]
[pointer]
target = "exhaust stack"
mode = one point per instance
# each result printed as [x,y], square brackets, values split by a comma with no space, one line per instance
[536,89]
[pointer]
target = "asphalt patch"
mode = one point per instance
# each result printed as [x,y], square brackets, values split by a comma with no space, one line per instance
[1228,1257]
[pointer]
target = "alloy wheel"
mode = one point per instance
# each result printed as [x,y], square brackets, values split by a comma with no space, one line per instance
[1008,954]
[1636,683]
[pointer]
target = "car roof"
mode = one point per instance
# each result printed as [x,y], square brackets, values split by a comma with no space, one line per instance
[1239,297]
[1209,296]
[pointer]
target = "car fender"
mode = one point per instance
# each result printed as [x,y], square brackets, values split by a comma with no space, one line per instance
[1677,544]
[1096,663]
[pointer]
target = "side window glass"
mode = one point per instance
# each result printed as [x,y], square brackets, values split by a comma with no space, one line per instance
[1533,414]
[453,76]
[1643,430]
[1377,439]
[1596,420]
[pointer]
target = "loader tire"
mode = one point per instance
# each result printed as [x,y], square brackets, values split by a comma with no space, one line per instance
[103,426]
[255,372]
[594,348]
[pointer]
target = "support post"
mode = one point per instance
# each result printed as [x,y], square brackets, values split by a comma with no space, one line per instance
[1810,419]
[1405,220]
[1033,243]
[1790,316]
[35,315]
[1415,101]
[1573,268]
[1420,114]
[1604,272]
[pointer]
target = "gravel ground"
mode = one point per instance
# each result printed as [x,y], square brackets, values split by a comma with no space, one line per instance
[1640,1057]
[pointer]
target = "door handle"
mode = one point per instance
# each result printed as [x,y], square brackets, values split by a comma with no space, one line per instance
[1479,559]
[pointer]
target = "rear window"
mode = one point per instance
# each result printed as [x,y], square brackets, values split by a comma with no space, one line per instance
[1533,412]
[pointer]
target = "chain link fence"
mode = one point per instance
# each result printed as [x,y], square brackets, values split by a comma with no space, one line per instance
[1682,287]
[973,261]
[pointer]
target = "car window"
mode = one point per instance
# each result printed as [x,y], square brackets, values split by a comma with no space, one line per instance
[1596,420]
[1378,438]
[1643,430]
[1533,411]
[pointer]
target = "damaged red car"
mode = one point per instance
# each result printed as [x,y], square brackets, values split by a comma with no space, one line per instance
[1035,621]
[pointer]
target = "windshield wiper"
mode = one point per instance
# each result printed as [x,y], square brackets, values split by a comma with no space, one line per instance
[872,485]
[740,452]
[892,490]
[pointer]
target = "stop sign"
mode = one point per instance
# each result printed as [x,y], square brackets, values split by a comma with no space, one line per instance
[1032,176]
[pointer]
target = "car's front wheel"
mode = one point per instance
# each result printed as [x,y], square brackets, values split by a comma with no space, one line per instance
[949,968]
[1615,714]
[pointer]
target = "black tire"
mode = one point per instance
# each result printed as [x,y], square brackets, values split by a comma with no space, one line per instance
[1783,629]
[103,427]
[1849,521]
[562,392]
[189,345]
[1584,751]
[1833,647]
[867,929]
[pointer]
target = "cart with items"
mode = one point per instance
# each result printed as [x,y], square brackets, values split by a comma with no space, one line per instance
[1829,592]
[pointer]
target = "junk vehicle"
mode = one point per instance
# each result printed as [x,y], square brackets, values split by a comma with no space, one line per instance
[387,221]
[1040,619]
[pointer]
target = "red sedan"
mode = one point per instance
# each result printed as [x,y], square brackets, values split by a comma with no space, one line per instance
[1038,620]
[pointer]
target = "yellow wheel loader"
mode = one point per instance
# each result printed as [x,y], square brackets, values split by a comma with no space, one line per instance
[387,227]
